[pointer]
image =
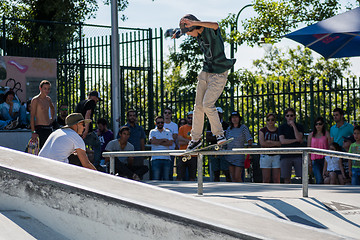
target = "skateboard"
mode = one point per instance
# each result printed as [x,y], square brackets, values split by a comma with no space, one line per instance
[187,154]
[33,146]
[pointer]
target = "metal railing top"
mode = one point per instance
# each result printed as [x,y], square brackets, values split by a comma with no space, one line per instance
[303,151]
[237,151]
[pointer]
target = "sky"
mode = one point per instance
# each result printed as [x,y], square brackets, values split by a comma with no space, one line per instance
[167,13]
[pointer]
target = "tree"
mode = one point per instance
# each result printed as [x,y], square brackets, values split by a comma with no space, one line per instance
[185,65]
[276,18]
[292,65]
[43,32]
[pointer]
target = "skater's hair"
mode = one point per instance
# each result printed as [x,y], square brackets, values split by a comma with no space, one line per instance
[124,128]
[323,130]
[339,110]
[102,121]
[129,111]
[336,146]
[159,117]
[43,82]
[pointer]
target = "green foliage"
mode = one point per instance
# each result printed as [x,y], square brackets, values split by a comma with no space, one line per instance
[276,18]
[185,65]
[298,65]
[70,11]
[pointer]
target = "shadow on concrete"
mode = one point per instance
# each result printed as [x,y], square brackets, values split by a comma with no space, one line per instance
[32,226]
[323,206]
[290,212]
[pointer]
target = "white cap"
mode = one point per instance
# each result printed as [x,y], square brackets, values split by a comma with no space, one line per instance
[191,112]
[219,109]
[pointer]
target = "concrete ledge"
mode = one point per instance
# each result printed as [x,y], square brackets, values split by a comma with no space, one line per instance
[83,204]
[15,139]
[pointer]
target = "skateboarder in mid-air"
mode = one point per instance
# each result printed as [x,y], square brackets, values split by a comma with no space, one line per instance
[212,78]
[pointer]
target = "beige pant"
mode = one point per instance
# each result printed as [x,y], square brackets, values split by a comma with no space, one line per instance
[208,90]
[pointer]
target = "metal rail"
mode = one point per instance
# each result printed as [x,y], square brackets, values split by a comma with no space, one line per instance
[304,151]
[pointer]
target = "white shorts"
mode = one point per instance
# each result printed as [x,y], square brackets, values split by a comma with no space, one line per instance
[269,161]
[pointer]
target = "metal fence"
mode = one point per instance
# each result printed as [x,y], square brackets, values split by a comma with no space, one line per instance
[84,64]
[309,99]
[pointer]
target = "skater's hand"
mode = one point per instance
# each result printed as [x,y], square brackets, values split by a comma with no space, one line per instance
[188,23]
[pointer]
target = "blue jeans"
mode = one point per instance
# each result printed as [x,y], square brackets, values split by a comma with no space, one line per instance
[355,179]
[160,169]
[21,114]
[317,167]
[4,123]
[171,171]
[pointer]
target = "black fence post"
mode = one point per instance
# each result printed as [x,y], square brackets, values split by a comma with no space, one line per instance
[150,83]
[82,65]
[4,36]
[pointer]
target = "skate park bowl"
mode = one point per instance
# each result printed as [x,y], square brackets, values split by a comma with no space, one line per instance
[45,199]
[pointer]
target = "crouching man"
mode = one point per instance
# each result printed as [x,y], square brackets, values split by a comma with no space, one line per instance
[67,140]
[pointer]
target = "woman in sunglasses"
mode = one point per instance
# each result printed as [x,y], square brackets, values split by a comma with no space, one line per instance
[269,138]
[319,138]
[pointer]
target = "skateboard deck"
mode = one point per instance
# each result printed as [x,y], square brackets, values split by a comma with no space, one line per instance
[33,146]
[187,154]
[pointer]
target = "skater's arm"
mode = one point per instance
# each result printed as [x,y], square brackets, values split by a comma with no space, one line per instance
[189,23]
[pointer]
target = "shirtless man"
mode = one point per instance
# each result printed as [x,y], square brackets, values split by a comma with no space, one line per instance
[40,120]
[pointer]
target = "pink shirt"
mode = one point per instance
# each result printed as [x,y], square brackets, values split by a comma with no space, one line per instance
[321,143]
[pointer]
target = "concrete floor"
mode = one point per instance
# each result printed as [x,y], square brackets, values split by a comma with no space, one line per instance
[328,207]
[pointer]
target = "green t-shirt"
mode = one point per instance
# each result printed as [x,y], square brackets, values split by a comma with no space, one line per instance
[212,45]
[355,148]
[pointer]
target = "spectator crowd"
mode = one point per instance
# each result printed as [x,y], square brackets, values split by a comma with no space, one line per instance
[73,139]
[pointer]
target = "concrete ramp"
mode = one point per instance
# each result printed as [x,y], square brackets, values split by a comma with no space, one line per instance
[83,204]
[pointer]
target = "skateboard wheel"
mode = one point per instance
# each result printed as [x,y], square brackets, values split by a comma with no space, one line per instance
[216,148]
[188,157]
[184,159]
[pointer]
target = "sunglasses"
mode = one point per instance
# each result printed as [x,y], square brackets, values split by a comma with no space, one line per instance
[159,122]
[289,115]
[63,109]
[319,124]
[167,112]
[189,117]
[270,119]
